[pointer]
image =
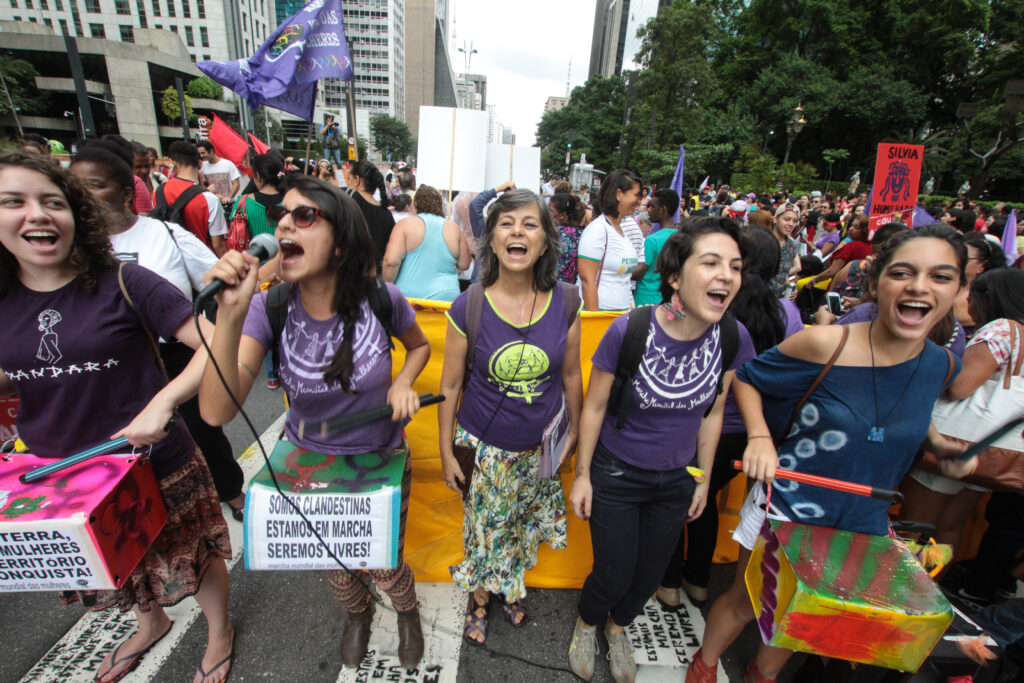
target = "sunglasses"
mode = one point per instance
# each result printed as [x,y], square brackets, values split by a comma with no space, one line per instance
[302,216]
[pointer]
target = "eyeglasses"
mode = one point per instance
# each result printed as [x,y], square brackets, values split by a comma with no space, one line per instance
[302,216]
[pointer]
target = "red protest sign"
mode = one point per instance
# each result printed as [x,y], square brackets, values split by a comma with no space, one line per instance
[897,177]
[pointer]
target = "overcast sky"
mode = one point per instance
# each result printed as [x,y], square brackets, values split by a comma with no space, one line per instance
[524,48]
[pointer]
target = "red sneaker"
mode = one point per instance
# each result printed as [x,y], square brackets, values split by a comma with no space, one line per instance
[273,383]
[699,672]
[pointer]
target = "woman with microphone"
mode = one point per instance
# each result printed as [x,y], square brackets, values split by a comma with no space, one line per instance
[328,261]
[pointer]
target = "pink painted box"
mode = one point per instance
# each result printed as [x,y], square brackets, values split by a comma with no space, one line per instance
[82,528]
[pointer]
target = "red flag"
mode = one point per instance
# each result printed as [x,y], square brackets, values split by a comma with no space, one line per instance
[258,144]
[226,142]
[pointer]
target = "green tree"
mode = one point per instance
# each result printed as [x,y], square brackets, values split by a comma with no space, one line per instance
[170,107]
[391,135]
[260,119]
[20,77]
[831,156]
[593,117]
[205,87]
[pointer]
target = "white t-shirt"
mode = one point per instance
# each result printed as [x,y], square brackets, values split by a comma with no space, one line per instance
[220,176]
[600,240]
[167,249]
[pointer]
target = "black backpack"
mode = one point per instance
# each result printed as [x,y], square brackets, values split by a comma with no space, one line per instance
[632,352]
[277,314]
[172,213]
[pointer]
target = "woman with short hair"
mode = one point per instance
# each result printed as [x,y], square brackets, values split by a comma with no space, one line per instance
[426,252]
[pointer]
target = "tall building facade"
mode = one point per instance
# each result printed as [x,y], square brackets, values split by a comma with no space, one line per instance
[555,103]
[430,80]
[210,29]
[471,91]
[614,43]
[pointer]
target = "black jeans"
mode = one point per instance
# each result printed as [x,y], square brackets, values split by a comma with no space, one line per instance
[635,520]
[702,533]
[214,444]
[1002,546]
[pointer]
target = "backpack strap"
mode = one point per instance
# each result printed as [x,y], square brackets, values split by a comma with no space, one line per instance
[571,299]
[145,328]
[277,314]
[474,313]
[730,345]
[187,195]
[380,304]
[630,354]
[949,368]
[815,383]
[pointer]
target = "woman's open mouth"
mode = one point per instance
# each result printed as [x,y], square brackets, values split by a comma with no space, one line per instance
[913,312]
[41,240]
[718,297]
[291,252]
[516,251]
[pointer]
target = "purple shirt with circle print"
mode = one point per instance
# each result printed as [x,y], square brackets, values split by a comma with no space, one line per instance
[673,388]
[307,349]
[515,386]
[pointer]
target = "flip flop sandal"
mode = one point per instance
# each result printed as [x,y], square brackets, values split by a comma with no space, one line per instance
[476,624]
[221,663]
[515,613]
[135,657]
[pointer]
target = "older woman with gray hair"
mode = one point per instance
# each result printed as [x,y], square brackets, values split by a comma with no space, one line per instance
[512,352]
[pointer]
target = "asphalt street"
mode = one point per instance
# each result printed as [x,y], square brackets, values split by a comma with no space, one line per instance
[288,625]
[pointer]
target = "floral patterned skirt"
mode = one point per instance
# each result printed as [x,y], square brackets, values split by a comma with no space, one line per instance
[508,513]
[173,567]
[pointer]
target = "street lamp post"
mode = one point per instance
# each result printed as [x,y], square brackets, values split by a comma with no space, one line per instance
[795,124]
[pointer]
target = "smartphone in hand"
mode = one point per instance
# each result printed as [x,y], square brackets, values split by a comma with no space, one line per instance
[835,303]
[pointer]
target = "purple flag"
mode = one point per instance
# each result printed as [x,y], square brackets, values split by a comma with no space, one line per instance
[867,207]
[704,183]
[677,181]
[283,73]
[922,217]
[1010,238]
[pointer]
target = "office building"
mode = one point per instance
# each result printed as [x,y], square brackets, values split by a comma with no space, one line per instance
[471,91]
[507,136]
[614,43]
[221,30]
[124,81]
[430,80]
[494,127]
[555,103]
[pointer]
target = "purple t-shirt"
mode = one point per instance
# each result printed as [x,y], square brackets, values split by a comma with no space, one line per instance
[82,364]
[732,421]
[672,390]
[515,386]
[307,347]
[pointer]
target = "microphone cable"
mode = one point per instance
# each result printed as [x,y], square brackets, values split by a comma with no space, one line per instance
[357,575]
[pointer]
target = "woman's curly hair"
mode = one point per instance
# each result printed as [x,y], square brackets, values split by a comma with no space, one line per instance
[91,252]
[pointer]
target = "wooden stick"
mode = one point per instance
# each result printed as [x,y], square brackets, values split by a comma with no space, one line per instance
[451,166]
[511,163]
[835,484]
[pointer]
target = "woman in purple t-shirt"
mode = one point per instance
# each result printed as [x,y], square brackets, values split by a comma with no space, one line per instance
[525,375]
[335,358]
[92,378]
[632,483]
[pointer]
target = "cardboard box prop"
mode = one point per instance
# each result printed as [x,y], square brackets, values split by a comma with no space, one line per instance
[353,501]
[81,528]
[846,595]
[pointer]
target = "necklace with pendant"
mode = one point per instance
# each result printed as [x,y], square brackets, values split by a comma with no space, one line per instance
[877,433]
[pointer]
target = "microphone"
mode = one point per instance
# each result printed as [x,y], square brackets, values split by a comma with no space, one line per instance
[263,246]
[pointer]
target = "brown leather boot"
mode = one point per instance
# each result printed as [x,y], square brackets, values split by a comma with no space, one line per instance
[356,637]
[410,638]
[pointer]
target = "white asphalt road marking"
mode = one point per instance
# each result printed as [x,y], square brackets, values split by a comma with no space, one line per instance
[77,656]
[442,611]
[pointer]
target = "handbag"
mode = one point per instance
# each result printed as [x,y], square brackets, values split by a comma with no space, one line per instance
[466,457]
[996,402]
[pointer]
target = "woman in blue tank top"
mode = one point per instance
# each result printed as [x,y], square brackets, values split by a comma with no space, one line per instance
[426,251]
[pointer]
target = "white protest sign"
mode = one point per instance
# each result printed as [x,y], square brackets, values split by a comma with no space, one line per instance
[452,149]
[361,529]
[521,165]
[50,555]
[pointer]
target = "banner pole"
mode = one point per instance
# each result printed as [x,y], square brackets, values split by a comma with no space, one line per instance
[451,166]
[511,163]
[309,140]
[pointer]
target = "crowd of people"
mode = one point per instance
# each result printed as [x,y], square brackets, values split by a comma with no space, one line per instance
[729,347]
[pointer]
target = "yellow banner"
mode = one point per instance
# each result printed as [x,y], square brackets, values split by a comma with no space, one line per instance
[433,538]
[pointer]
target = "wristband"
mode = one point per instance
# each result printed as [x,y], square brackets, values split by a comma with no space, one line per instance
[247,368]
[759,436]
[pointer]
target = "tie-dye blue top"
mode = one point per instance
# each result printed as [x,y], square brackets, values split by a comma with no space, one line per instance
[830,435]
